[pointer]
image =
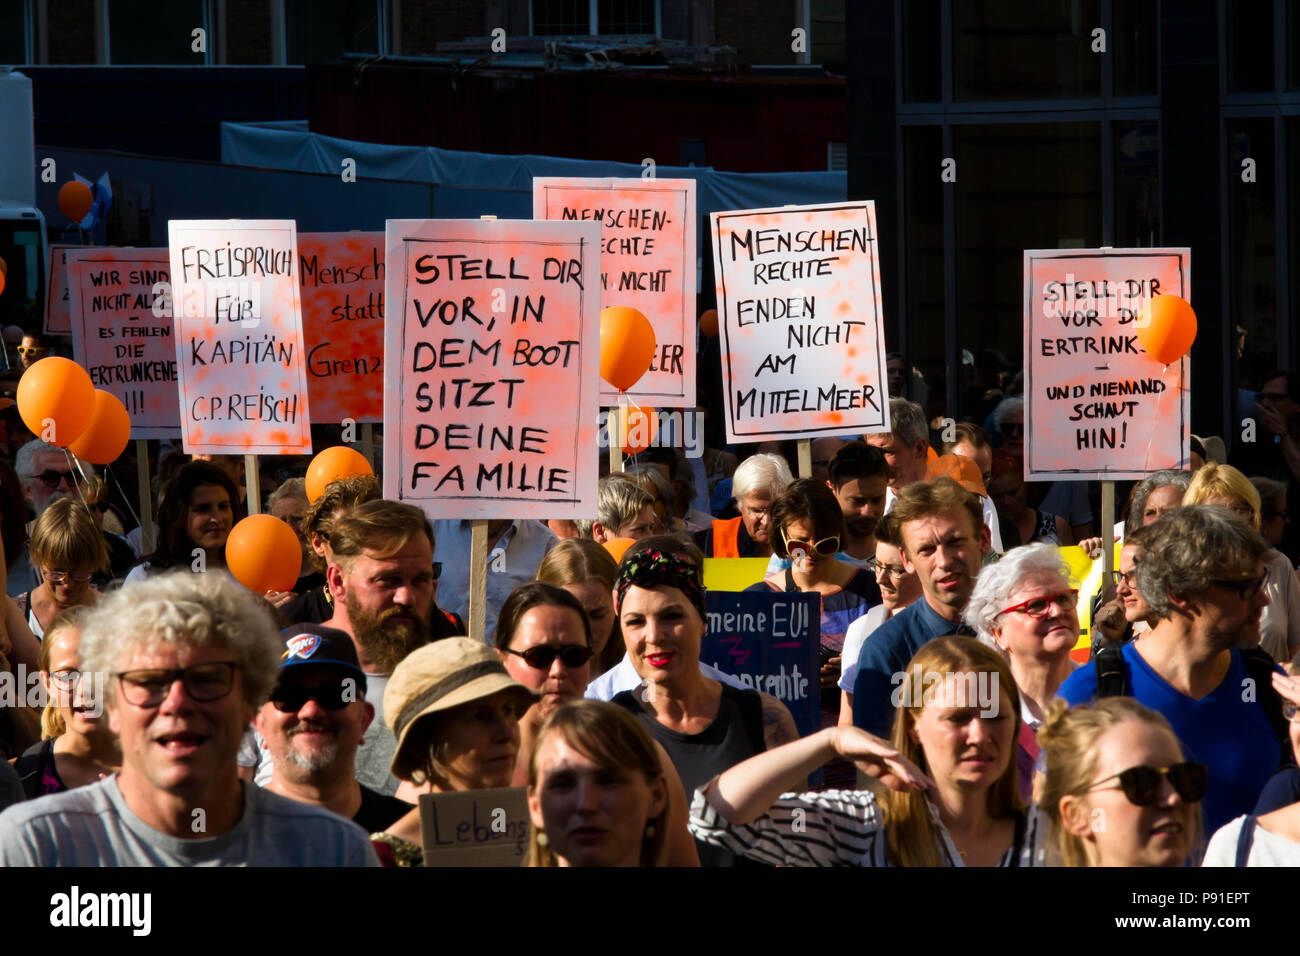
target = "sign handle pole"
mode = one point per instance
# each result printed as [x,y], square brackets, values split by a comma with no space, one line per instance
[615,453]
[1108,527]
[252,485]
[146,499]
[805,457]
[368,442]
[478,580]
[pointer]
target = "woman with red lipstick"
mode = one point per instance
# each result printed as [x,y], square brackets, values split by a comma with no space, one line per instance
[1118,791]
[1024,606]
[953,797]
[596,792]
[78,747]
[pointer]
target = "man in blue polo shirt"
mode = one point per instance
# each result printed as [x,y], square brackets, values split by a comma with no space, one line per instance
[1202,574]
[944,542]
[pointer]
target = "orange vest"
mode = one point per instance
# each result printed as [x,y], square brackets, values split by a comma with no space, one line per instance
[726,538]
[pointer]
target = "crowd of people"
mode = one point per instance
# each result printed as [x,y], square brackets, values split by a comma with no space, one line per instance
[965,718]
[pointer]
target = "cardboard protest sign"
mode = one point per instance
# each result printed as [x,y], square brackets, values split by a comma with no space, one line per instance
[122,332]
[341,275]
[803,347]
[475,827]
[647,262]
[1096,405]
[770,640]
[490,365]
[58,308]
[239,342]
[733,574]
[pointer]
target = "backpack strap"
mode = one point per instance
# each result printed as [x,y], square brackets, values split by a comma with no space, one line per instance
[1261,667]
[1245,839]
[1112,679]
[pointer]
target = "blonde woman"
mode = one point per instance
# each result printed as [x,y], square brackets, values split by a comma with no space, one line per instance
[1279,623]
[1118,791]
[585,569]
[952,800]
[67,548]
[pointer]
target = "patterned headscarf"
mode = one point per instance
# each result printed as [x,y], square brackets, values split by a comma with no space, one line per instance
[650,569]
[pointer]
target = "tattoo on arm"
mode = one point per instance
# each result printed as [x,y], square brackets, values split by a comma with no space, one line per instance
[778,726]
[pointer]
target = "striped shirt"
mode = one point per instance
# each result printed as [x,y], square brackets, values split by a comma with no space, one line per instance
[835,828]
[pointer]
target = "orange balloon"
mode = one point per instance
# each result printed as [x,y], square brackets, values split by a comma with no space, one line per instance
[106,436]
[617,547]
[1166,328]
[56,400]
[2,281]
[263,554]
[333,464]
[709,322]
[627,346]
[635,427]
[75,200]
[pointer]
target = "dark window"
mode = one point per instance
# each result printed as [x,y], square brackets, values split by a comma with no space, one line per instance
[923,258]
[1135,47]
[13,32]
[1137,183]
[1019,186]
[1026,49]
[561,17]
[1252,243]
[140,31]
[922,52]
[323,30]
[1250,45]
[626,16]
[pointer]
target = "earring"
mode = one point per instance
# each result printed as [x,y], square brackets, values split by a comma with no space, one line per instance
[650,831]
[542,840]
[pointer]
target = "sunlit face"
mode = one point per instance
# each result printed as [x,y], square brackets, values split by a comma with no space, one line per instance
[1225,616]
[1163,499]
[592,815]
[1135,605]
[801,540]
[1117,832]
[557,628]
[48,465]
[389,600]
[68,588]
[1240,508]
[598,601]
[946,551]
[210,517]
[756,512]
[906,463]
[966,745]
[899,587]
[662,631]
[642,526]
[78,700]
[311,739]
[481,742]
[862,500]
[1045,639]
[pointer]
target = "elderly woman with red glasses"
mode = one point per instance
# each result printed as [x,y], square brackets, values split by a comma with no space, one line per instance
[1024,607]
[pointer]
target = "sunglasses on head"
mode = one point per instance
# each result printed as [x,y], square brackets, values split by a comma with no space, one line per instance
[290,698]
[1141,785]
[542,656]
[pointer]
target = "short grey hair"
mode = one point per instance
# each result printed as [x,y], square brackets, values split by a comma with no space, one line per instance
[656,476]
[758,474]
[907,422]
[618,501]
[189,610]
[1006,408]
[25,459]
[1187,547]
[1142,491]
[289,488]
[997,582]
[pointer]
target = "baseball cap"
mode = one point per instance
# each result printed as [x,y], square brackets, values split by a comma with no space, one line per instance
[320,646]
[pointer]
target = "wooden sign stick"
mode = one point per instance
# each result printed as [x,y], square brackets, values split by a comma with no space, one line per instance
[368,442]
[478,573]
[252,485]
[146,499]
[805,457]
[1107,529]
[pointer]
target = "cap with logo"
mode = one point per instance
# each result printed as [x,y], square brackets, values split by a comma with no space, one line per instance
[318,646]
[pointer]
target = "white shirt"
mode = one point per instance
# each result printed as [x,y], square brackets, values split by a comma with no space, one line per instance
[857,634]
[512,561]
[623,676]
[1266,849]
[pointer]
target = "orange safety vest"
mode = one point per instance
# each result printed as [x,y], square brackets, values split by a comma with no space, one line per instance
[726,538]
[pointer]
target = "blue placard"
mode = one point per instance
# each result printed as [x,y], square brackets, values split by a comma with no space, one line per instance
[770,640]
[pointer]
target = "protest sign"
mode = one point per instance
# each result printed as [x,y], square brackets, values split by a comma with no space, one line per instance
[803,347]
[491,355]
[771,640]
[239,342]
[475,827]
[647,262]
[1096,405]
[120,338]
[733,574]
[341,275]
[58,314]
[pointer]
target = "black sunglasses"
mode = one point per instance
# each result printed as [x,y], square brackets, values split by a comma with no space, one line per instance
[52,478]
[1141,785]
[542,656]
[290,698]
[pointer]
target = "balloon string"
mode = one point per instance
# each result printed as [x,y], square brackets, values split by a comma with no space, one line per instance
[75,464]
[108,470]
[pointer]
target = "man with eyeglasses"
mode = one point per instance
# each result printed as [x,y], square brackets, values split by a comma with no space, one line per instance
[316,718]
[31,350]
[47,474]
[1201,572]
[186,660]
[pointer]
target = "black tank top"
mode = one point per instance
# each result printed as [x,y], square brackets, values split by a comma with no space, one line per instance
[736,734]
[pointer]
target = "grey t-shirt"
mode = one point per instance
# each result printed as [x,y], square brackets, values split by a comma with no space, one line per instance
[93,826]
[375,756]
